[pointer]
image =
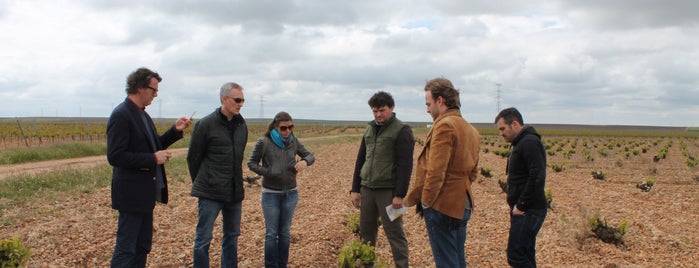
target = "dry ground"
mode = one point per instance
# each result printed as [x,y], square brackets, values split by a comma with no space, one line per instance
[79,231]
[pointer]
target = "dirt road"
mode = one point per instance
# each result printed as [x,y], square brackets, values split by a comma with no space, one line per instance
[45,166]
[91,161]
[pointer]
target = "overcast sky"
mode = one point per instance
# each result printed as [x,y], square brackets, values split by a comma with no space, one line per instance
[622,62]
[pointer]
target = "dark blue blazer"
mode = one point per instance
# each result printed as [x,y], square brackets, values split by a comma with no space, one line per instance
[132,157]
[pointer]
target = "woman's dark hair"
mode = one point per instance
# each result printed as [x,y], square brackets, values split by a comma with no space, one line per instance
[442,87]
[281,116]
[140,79]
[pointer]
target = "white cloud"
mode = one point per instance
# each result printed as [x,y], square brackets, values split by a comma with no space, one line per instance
[588,62]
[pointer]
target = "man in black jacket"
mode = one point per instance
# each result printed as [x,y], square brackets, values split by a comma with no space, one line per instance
[215,161]
[137,155]
[526,170]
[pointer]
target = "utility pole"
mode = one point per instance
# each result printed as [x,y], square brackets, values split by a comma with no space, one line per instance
[498,98]
[262,106]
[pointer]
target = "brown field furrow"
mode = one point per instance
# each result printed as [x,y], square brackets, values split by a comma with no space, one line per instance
[79,230]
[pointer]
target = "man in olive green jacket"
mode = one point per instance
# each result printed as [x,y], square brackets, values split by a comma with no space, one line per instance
[382,175]
[445,169]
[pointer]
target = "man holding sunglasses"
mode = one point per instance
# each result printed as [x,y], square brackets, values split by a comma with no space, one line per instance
[138,154]
[215,160]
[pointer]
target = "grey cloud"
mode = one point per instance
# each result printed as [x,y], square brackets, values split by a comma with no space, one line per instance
[162,33]
[360,74]
[680,71]
[561,69]
[263,16]
[626,14]
[678,97]
[480,7]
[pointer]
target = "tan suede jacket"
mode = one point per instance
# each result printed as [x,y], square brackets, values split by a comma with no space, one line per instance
[446,166]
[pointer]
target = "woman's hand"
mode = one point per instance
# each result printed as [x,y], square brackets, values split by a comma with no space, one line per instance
[301,165]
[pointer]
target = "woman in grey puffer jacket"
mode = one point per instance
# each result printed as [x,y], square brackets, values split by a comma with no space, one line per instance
[277,149]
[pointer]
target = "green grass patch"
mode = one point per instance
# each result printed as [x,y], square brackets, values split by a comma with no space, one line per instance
[177,169]
[40,188]
[54,185]
[334,140]
[62,151]
[50,152]
[182,143]
[44,186]
[488,131]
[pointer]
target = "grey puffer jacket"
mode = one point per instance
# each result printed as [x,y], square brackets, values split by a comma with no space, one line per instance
[215,157]
[277,169]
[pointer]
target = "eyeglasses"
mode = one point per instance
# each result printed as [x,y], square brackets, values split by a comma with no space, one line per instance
[237,100]
[285,128]
[152,88]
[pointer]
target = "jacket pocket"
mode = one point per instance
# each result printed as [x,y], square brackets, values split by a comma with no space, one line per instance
[219,176]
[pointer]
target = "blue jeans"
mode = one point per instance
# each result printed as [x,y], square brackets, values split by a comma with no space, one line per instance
[278,209]
[522,241]
[133,239]
[447,237]
[208,212]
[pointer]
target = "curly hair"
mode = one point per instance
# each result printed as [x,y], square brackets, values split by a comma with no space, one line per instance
[140,79]
[381,99]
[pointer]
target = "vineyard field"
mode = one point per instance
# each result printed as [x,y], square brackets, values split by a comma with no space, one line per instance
[78,230]
[35,131]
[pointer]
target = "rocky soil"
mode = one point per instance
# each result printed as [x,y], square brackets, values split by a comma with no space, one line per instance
[663,224]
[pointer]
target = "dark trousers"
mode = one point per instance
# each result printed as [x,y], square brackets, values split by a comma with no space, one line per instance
[133,239]
[373,206]
[522,241]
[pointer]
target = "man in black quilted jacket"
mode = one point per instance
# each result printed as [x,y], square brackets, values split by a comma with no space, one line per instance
[526,179]
[215,160]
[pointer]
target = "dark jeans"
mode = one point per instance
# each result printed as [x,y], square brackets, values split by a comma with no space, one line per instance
[522,241]
[208,212]
[373,205]
[447,237]
[133,239]
[278,210]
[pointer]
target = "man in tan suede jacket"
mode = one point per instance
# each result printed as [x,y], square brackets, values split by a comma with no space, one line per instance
[443,175]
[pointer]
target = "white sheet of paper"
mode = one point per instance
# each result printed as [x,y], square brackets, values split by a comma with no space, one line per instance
[395,213]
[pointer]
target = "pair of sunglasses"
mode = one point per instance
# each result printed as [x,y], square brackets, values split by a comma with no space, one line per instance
[237,100]
[285,128]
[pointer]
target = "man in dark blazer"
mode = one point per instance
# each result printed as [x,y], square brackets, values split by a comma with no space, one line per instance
[137,154]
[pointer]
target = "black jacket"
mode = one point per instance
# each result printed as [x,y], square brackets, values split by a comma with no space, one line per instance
[132,157]
[526,171]
[215,157]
